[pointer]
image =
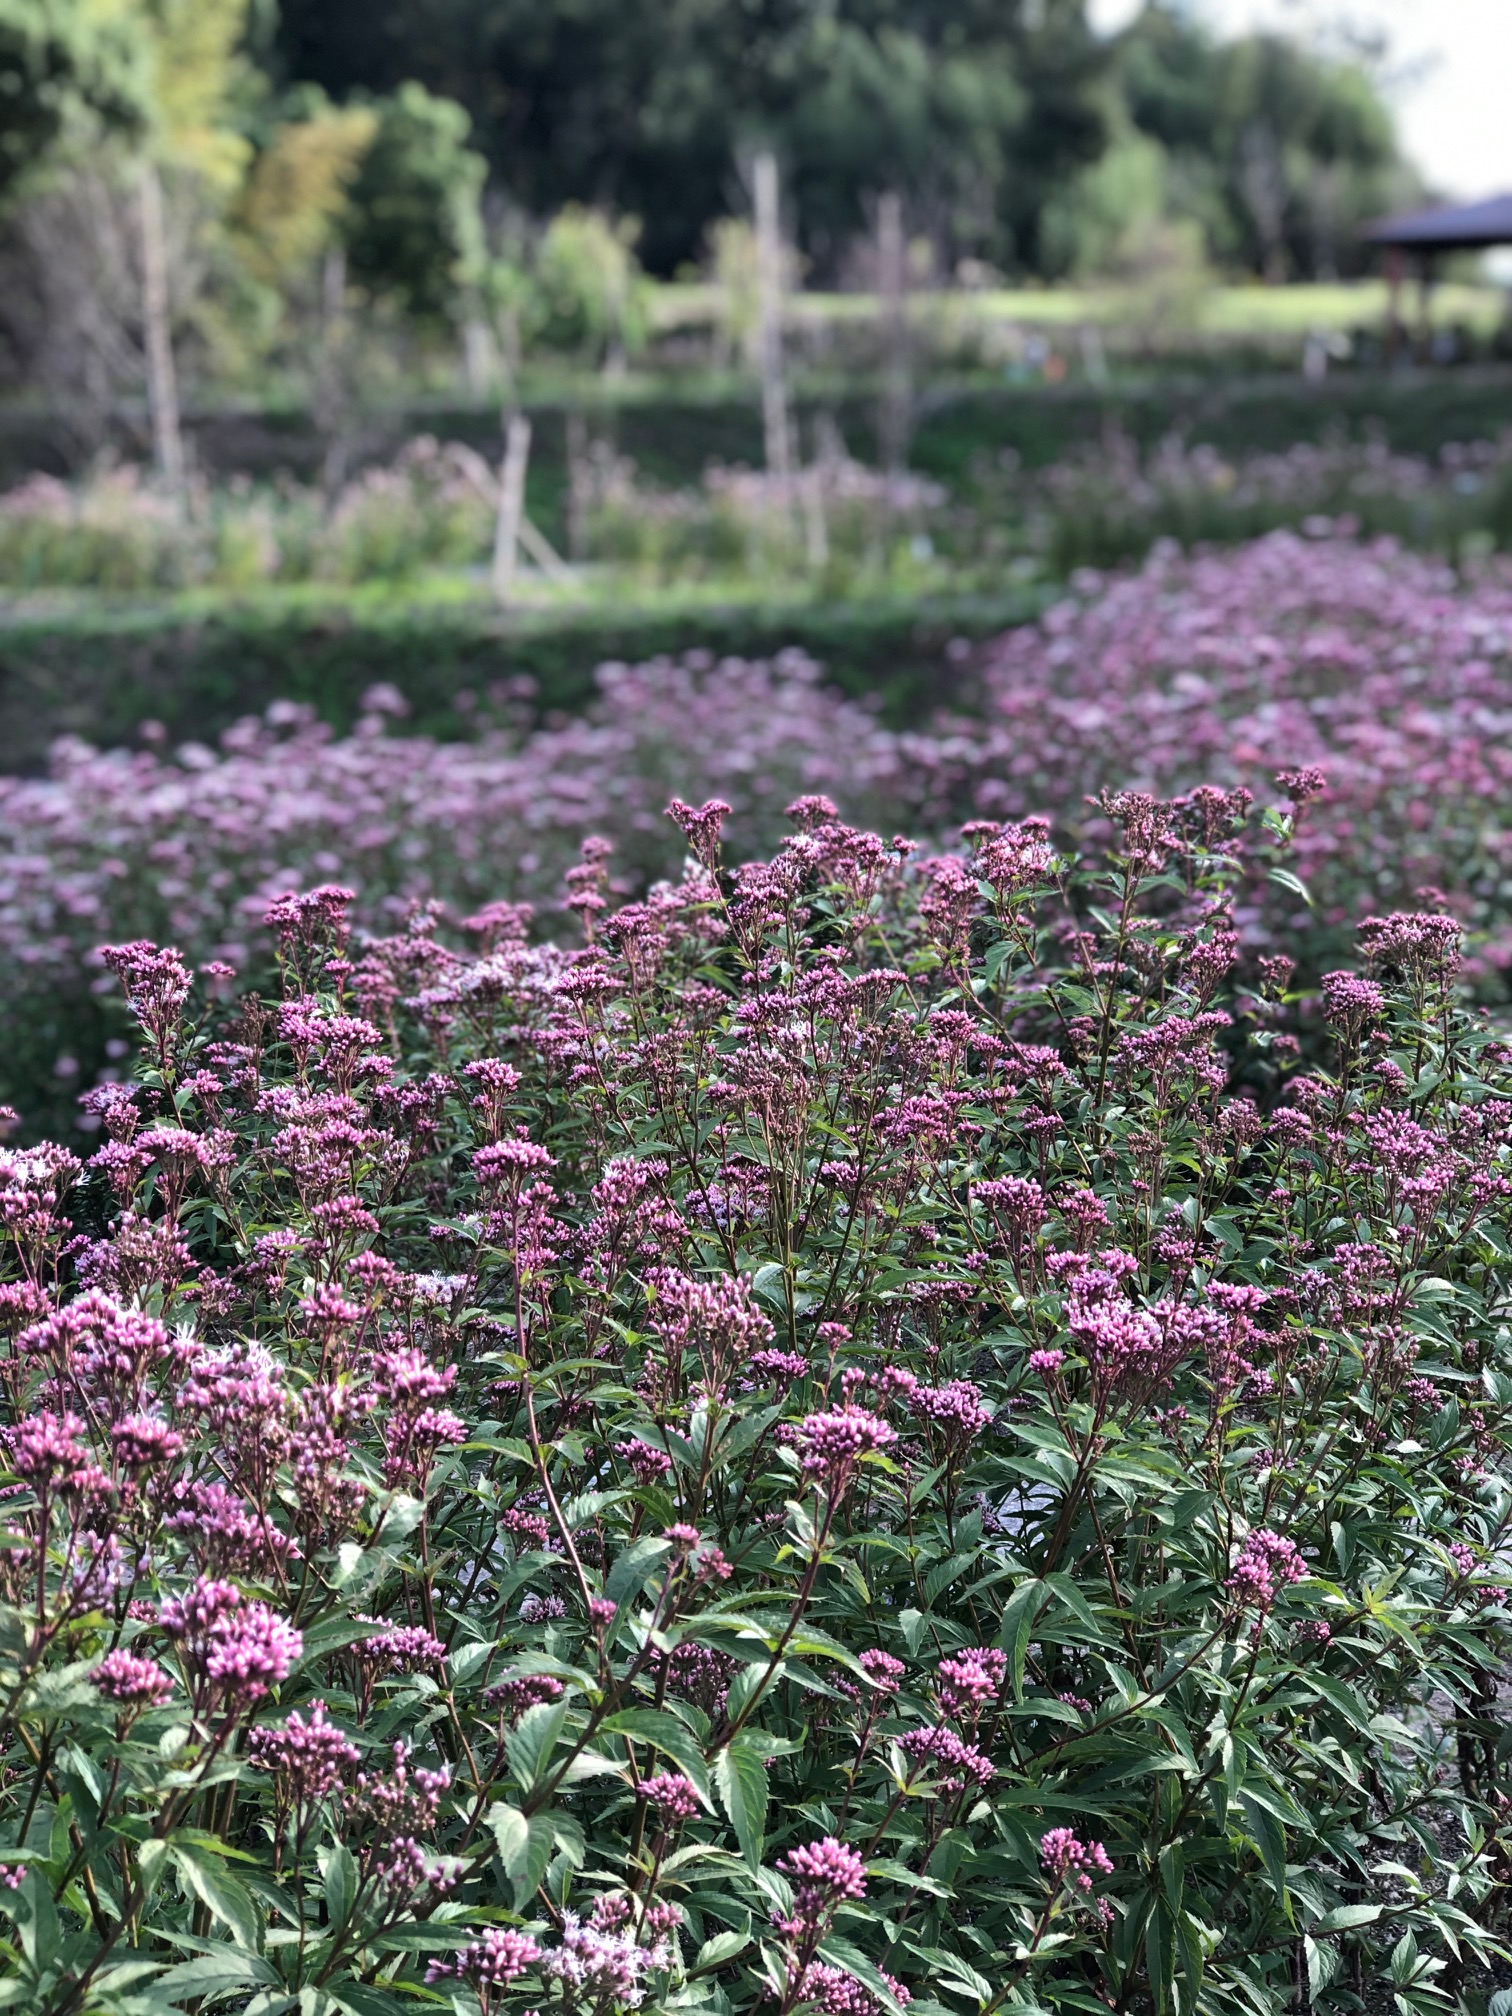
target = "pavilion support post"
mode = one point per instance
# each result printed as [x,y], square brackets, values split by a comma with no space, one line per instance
[1395,264]
[1425,279]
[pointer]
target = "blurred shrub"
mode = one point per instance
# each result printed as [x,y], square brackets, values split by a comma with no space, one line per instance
[432,507]
[591,288]
[114,532]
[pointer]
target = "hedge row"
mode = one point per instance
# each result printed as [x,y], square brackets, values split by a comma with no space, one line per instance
[102,674]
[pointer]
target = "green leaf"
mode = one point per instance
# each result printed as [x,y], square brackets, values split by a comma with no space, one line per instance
[1269,1838]
[340,1885]
[664,1732]
[531,1741]
[631,1571]
[213,1975]
[1018,1628]
[36,1919]
[358,1998]
[1284,879]
[524,1848]
[850,1960]
[400,1518]
[1160,1955]
[716,1951]
[207,1878]
[1344,1917]
[740,1778]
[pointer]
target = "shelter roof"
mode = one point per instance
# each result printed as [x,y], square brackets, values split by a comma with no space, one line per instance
[1451,227]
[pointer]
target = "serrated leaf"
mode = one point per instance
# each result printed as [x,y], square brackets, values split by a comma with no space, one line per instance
[716,1951]
[340,1885]
[207,1878]
[212,1975]
[1017,1629]
[740,1778]
[1344,1917]
[851,1960]
[634,1566]
[525,1846]
[531,1741]
[1270,1839]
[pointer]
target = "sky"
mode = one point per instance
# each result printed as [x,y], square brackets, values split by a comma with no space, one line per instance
[1449,70]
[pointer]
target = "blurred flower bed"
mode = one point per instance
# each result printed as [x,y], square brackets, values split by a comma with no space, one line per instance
[834,523]
[1108,504]
[1382,669]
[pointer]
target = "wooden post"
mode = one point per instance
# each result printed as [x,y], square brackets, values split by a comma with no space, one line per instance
[511,506]
[577,485]
[892,290]
[1425,279]
[774,412]
[1395,264]
[157,334]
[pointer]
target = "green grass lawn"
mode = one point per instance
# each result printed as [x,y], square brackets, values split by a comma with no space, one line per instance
[1251,310]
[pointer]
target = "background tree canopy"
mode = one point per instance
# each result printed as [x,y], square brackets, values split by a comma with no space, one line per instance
[981,112]
[975,107]
[66,70]
[512,170]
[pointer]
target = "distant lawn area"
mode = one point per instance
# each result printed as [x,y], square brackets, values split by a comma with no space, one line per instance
[1250,310]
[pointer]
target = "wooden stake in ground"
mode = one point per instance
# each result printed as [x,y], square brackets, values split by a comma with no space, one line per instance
[157,330]
[774,412]
[511,506]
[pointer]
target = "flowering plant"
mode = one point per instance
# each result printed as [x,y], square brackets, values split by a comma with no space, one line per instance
[864,1438]
[1378,680]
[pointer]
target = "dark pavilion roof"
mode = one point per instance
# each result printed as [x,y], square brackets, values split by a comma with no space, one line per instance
[1453,227]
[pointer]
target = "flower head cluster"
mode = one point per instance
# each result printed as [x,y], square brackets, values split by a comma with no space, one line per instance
[831,1443]
[971,1680]
[823,1874]
[837,1993]
[496,1959]
[233,1650]
[1266,1562]
[672,1795]
[132,1680]
[941,1750]
[601,1966]
[310,1756]
[1068,1859]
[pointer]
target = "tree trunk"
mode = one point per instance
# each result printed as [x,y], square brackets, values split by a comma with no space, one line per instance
[893,420]
[774,410]
[157,330]
[511,506]
[332,414]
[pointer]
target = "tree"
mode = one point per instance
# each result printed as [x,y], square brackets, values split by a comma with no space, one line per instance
[590,285]
[1277,148]
[68,72]
[972,109]
[296,197]
[414,226]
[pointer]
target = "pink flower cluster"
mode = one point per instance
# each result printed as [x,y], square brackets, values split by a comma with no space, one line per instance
[1266,1562]
[823,1874]
[1068,1858]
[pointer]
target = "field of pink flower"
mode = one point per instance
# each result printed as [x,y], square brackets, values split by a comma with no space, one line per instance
[866,1440]
[1381,668]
